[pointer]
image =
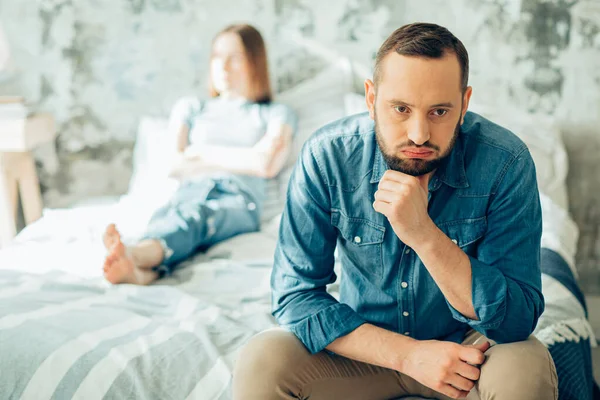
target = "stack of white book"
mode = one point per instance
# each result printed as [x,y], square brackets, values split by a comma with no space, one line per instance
[12,107]
[21,130]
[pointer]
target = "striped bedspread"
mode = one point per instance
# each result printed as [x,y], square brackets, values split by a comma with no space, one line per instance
[63,337]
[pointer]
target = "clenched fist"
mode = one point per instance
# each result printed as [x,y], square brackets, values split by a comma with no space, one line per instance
[449,368]
[403,200]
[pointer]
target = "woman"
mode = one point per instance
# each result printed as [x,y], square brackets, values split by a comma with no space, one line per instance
[227,147]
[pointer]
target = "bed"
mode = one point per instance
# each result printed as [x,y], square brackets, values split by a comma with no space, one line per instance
[66,333]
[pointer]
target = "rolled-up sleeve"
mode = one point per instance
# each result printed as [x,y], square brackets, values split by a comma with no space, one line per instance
[304,260]
[506,277]
[184,111]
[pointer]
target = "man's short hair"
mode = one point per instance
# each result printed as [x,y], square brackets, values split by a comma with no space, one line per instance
[424,40]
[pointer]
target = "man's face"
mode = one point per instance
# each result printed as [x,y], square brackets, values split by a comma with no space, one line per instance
[418,106]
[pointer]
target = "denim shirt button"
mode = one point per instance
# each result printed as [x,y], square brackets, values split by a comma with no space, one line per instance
[405,313]
[404,285]
[407,251]
[357,239]
[454,241]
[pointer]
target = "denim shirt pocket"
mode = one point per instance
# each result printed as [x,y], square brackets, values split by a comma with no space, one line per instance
[466,233]
[360,241]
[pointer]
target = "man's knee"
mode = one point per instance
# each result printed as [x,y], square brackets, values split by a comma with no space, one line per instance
[266,364]
[522,370]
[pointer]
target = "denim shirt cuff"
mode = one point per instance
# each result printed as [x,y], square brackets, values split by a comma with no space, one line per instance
[319,330]
[489,304]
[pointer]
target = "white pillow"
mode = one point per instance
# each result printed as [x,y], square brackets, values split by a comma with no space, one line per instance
[152,160]
[544,140]
[539,132]
[354,103]
[317,102]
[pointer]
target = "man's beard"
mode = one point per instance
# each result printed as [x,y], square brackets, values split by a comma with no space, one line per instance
[414,166]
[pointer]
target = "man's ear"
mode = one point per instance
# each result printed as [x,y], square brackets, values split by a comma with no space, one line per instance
[370,97]
[466,99]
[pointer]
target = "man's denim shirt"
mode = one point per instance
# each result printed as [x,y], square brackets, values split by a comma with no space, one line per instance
[484,197]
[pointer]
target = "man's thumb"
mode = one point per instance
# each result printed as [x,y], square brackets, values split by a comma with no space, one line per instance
[483,347]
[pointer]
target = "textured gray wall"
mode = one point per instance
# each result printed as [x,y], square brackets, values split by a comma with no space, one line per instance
[100,65]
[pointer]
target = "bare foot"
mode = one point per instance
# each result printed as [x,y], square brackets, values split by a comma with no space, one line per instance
[111,236]
[119,266]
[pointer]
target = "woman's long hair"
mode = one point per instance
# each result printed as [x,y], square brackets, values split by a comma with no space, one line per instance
[256,55]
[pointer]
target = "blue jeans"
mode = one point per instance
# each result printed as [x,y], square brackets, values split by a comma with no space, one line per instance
[199,215]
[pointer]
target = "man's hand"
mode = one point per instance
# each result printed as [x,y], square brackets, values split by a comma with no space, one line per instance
[449,368]
[403,200]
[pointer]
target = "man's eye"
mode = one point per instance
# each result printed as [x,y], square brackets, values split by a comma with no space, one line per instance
[440,112]
[401,109]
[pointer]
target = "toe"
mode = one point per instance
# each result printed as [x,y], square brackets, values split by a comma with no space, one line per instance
[111,235]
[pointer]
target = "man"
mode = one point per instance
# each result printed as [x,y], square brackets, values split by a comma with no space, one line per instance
[437,220]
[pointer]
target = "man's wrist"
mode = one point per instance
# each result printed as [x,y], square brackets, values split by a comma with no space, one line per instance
[405,346]
[429,238]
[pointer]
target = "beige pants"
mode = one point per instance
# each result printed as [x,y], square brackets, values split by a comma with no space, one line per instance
[275,365]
